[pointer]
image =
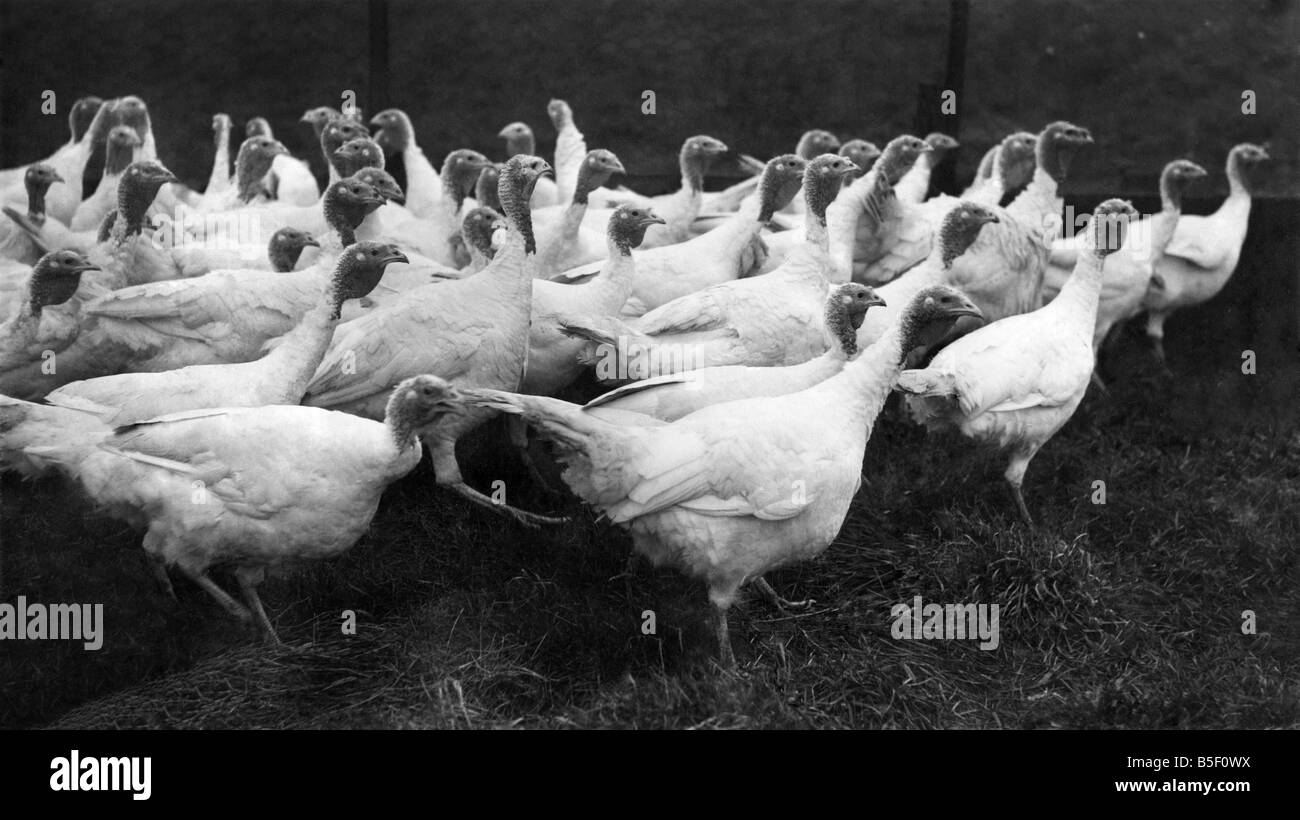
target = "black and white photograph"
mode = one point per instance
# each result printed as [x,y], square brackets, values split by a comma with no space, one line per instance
[501,364]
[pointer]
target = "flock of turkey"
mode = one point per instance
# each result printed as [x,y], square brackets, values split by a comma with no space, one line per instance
[241,372]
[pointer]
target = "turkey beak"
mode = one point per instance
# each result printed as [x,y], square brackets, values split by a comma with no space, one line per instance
[85,266]
[278,148]
[310,242]
[398,197]
[652,219]
[850,166]
[168,176]
[992,218]
[547,170]
[875,300]
[394,255]
[967,308]
[1087,137]
[617,167]
[54,177]
[1263,154]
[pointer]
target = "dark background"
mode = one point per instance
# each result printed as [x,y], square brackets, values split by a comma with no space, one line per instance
[1153,79]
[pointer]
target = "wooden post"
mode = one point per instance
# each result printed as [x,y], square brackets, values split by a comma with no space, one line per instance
[377,91]
[929,114]
[954,80]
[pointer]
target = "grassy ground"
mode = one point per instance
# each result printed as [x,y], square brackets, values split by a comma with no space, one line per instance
[1122,615]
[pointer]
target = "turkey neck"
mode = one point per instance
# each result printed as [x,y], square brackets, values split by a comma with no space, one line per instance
[985,170]
[955,238]
[403,429]
[454,188]
[615,280]
[862,386]
[1041,197]
[344,219]
[1238,185]
[1164,223]
[923,168]
[589,179]
[133,201]
[36,189]
[45,288]
[1236,206]
[852,202]
[119,156]
[523,144]
[283,259]
[251,167]
[80,118]
[841,224]
[404,140]
[692,165]
[842,331]
[514,202]
[996,183]
[774,193]
[818,195]
[510,274]
[295,359]
[485,190]
[221,161]
[1076,304]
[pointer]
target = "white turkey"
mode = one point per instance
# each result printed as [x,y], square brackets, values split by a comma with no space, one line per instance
[1128,272]
[1014,383]
[735,490]
[251,488]
[1204,251]
[669,398]
[472,332]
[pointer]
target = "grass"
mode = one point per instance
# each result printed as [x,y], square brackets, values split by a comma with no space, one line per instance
[1124,615]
